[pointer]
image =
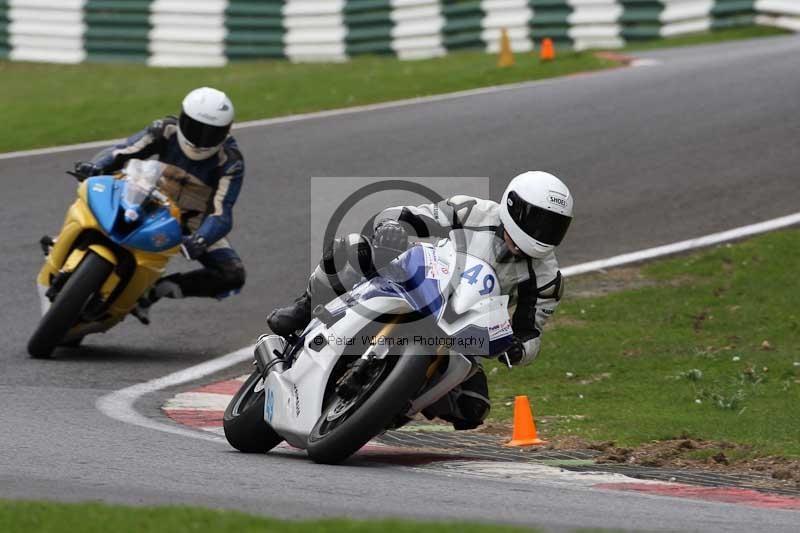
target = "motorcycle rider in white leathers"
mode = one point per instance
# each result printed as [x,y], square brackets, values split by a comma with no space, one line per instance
[518,237]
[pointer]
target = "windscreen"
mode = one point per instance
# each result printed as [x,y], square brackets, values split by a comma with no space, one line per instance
[142,177]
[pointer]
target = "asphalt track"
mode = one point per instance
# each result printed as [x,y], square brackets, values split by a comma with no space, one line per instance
[703,142]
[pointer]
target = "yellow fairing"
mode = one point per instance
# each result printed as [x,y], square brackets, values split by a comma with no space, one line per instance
[149,267]
[63,257]
[73,260]
[104,252]
[76,256]
[79,218]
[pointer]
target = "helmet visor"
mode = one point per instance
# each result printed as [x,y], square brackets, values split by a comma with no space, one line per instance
[541,224]
[202,135]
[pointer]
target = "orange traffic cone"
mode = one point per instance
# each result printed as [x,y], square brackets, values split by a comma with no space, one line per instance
[506,57]
[524,425]
[548,51]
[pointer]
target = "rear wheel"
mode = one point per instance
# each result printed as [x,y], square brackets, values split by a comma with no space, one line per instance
[347,424]
[243,422]
[66,309]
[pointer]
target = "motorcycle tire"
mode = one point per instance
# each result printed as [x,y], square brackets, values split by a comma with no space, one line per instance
[243,421]
[373,416]
[65,311]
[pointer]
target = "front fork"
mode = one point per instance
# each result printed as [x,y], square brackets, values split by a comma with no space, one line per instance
[351,382]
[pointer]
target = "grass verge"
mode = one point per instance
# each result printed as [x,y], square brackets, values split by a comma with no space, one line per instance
[704,346]
[47,105]
[708,37]
[25,517]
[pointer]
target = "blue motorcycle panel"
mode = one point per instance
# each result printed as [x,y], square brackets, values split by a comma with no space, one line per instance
[155,231]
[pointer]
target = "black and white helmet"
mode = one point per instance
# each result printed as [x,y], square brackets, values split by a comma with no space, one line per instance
[536,211]
[206,118]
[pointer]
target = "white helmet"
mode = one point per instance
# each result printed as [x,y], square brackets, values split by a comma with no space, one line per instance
[536,211]
[206,118]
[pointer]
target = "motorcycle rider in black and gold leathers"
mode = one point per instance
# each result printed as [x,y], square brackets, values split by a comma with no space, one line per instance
[517,237]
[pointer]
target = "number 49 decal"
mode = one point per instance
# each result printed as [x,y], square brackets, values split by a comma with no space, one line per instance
[471,275]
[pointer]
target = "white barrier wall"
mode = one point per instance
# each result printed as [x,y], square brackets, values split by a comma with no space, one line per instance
[512,15]
[685,16]
[212,32]
[46,30]
[595,24]
[781,13]
[417,28]
[315,30]
[187,33]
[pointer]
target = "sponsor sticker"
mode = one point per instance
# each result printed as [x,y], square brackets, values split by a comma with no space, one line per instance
[436,267]
[431,263]
[159,240]
[557,199]
[270,405]
[500,330]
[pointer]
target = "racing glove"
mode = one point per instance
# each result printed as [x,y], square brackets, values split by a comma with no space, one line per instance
[522,351]
[389,240]
[87,169]
[194,246]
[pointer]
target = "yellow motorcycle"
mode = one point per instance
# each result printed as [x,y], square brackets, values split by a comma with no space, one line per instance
[115,243]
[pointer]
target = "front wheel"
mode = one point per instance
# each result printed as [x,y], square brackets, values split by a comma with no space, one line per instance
[348,424]
[66,309]
[243,421]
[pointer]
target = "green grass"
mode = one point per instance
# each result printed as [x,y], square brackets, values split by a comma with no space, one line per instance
[684,355]
[27,517]
[45,105]
[707,37]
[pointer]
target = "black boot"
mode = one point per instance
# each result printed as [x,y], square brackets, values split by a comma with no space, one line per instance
[165,287]
[284,321]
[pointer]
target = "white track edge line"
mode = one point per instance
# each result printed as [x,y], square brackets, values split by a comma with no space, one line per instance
[683,246]
[318,114]
[119,405]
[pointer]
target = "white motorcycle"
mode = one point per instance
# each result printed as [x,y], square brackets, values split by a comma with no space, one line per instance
[373,358]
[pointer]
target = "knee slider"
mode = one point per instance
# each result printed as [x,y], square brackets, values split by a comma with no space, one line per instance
[473,408]
[472,399]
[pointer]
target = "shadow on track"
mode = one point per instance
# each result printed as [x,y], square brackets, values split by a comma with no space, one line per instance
[365,458]
[109,353]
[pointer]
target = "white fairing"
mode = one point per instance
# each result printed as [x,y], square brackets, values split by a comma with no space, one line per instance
[476,298]
[294,397]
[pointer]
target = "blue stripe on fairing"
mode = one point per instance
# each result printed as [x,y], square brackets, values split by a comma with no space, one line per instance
[404,278]
[424,294]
